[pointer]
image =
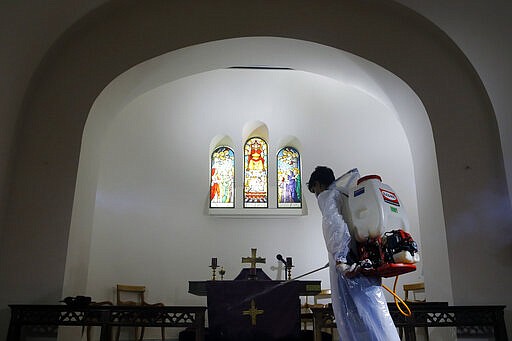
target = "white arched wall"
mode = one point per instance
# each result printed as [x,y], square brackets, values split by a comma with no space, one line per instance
[316,59]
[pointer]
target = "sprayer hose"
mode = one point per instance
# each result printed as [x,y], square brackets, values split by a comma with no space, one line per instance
[398,299]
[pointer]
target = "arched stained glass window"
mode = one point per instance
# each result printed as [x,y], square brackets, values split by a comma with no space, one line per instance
[256,173]
[222,178]
[289,185]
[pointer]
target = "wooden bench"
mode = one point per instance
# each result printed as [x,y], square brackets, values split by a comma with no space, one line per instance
[429,314]
[107,317]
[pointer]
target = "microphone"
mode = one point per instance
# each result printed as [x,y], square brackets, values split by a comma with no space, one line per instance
[280,257]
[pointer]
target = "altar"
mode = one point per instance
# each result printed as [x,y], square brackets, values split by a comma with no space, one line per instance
[253,307]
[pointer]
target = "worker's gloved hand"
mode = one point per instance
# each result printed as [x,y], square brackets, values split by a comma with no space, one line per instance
[347,270]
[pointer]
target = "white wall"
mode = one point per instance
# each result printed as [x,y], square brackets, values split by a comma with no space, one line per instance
[479,28]
[149,223]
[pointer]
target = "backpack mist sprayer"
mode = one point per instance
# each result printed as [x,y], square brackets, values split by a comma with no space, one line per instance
[379,226]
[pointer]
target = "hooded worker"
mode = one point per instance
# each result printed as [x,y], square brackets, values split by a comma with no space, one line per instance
[358,302]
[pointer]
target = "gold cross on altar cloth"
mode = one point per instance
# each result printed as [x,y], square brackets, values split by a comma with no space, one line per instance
[253,259]
[253,312]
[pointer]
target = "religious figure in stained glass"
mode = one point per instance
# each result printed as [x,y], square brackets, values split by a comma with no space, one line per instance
[255,175]
[289,189]
[222,178]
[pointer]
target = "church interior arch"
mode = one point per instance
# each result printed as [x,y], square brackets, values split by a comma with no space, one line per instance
[440,79]
[332,109]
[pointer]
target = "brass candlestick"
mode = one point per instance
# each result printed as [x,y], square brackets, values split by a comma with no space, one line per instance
[222,272]
[288,267]
[214,267]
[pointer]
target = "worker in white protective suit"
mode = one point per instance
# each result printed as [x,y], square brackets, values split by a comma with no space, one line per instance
[359,305]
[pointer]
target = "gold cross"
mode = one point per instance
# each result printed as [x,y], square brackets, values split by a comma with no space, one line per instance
[253,312]
[253,259]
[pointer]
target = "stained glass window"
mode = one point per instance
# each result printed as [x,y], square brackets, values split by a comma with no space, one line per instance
[289,188]
[256,173]
[222,178]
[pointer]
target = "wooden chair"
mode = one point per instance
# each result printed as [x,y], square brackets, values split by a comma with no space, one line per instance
[325,294]
[323,300]
[414,288]
[134,295]
[320,300]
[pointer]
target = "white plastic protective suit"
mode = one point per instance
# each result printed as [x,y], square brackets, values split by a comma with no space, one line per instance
[359,305]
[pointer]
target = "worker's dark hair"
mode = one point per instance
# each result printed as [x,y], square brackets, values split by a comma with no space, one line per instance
[324,175]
